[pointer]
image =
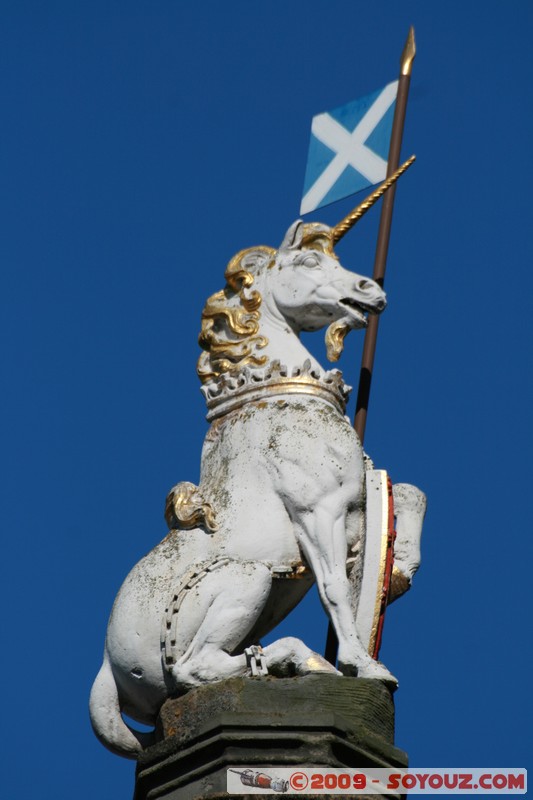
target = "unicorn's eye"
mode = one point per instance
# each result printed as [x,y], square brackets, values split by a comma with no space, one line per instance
[310,261]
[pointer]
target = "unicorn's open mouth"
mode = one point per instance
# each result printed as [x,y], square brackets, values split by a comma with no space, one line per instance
[355,310]
[359,307]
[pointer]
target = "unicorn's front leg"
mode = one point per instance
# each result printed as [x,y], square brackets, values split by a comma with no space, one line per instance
[322,536]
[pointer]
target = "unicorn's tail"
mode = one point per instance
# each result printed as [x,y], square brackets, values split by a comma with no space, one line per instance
[107,721]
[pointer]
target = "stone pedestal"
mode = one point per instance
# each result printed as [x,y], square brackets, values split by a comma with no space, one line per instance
[264,723]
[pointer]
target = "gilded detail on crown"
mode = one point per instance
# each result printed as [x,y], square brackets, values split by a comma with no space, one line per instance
[233,390]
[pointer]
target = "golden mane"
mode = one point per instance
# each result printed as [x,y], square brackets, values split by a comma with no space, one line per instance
[230,319]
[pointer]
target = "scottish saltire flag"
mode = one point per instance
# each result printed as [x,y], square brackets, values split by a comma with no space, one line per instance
[349,148]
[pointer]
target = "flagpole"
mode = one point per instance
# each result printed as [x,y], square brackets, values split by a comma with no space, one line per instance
[382,247]
[380,264]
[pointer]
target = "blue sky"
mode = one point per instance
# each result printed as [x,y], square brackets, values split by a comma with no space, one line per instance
[142,145]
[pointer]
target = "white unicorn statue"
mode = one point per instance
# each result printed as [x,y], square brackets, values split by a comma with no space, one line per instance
[283,501]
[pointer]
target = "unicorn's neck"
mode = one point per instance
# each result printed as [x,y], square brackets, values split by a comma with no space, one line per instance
[274,363]
[284,344]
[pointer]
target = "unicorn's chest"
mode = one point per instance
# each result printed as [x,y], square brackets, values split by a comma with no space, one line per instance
[284,437]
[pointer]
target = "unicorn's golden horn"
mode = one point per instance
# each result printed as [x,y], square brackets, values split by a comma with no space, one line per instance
[348,222]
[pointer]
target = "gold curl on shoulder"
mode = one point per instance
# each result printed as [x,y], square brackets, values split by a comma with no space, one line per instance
[187,508]
[230,319]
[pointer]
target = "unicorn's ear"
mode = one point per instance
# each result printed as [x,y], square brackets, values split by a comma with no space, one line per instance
[257,258]
[293,237]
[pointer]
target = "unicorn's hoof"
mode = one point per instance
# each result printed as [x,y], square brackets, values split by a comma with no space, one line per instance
[377,671]
[370,669]
[315,664]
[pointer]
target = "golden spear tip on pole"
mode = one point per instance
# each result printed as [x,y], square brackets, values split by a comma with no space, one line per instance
[342,227]
[409,53]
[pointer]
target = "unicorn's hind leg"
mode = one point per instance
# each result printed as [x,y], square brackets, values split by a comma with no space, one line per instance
[209,617]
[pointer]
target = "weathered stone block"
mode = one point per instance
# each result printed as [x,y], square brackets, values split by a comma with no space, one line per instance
[264,723]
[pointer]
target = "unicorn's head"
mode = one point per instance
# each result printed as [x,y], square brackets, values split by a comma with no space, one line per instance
[300,287]
[312,289]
